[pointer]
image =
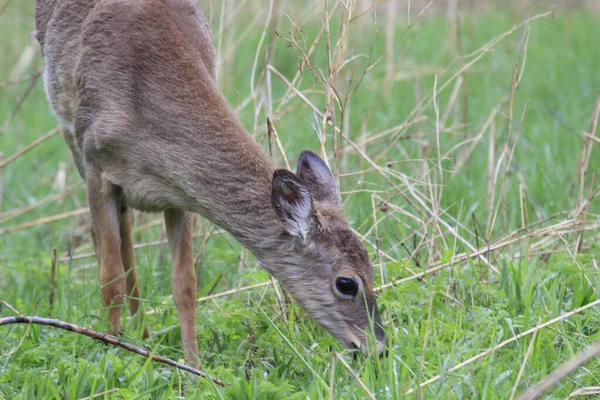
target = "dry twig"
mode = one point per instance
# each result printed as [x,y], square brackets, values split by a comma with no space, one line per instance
[106,339]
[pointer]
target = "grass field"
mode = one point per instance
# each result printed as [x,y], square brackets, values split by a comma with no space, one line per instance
[464,167]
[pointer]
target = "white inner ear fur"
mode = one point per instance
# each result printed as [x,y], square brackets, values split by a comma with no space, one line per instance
[298,220]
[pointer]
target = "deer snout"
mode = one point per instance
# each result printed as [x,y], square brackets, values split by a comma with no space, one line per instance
[382,348]
[365,346]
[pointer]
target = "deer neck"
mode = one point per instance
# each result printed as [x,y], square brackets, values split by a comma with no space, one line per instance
[228,181]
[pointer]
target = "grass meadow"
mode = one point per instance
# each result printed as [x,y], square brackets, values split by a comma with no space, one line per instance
[468,158]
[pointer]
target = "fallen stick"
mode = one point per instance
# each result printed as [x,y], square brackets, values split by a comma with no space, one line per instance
[106,339]
[562,372]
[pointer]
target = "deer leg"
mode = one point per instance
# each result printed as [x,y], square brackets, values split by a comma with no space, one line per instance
[183,278]
[104,212]
[126,218]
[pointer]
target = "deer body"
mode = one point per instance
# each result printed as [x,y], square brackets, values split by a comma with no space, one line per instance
[133,84]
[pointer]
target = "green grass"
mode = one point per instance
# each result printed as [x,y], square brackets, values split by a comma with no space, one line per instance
[433,324]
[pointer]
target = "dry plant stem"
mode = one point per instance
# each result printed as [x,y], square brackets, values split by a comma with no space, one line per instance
[45,220]
[29,147]
[104,338]
[389,38]
[136,246]
[477,55]
[340,49]
[587,279]
[11,308]
[463,86]
[18,346]
[15,110]
[219,41]
[355,375]
[323,135]
[562,372]
[217,295]
[584,391]
[233,291]
[52,282]
[451,229]
[272,131]
[587,150]
[408,27]
[206,237]
[311,50]
[97,395]
[524,363]
[258,48]
[332,376]
[584,211]
[379,169]
[594,138]
[397,130]
[435,189]
[1,185]
[464,156]
[6,3]
[509,147]
[516,79]
[426,337]
[377,241]
[522,204]
[451,100]
[507,241]
[19,80]
[278,298]
[508,341]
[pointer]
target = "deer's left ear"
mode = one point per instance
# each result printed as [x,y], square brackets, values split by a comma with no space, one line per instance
[292,203]
[317,177]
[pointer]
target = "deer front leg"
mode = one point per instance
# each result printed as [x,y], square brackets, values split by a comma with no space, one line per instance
[183,278]
[126,219]
[104,212]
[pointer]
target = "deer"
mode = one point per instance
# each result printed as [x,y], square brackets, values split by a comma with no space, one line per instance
[133,86]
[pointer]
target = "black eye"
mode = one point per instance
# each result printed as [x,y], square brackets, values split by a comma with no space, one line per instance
[347,286]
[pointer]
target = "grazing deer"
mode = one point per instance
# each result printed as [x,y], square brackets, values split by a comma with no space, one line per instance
[133,84]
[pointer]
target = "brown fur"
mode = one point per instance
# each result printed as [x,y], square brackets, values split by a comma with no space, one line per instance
[133,83]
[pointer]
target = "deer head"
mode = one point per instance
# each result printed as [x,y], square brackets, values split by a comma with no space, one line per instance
[328,271]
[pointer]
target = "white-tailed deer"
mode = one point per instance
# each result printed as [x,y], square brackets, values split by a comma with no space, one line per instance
[133,84]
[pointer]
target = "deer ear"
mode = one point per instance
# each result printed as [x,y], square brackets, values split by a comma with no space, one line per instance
[317,177]
[292,203]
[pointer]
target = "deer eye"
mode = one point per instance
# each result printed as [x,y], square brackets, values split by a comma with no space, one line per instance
[346,287]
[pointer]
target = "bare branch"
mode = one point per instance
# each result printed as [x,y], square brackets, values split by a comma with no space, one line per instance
[106,339]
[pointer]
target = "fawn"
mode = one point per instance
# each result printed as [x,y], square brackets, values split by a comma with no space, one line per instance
[133,84]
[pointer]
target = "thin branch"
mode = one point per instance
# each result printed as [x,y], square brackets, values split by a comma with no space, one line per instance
[106,339]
